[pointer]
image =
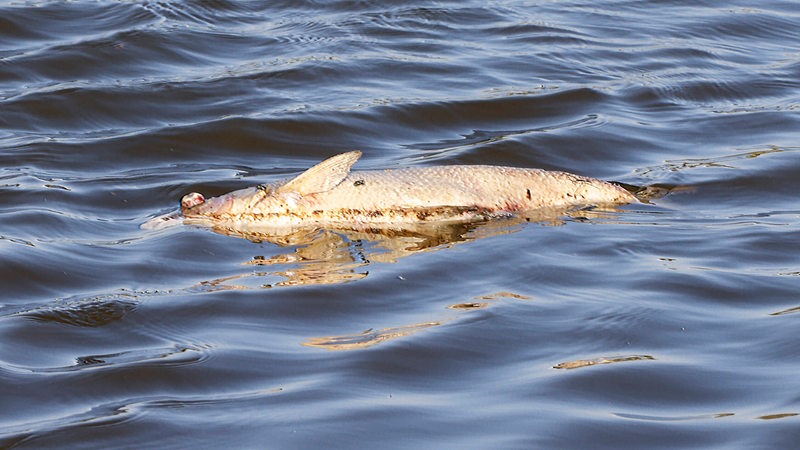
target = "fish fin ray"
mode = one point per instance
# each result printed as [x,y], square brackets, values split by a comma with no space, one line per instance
[324,176]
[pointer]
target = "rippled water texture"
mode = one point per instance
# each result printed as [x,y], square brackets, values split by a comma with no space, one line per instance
[669,324]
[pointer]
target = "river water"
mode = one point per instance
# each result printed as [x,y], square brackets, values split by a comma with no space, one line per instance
[668,324]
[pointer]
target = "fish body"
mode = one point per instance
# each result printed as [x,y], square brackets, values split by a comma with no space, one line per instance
[330,194]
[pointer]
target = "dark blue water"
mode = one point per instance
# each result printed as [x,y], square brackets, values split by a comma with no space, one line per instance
[672,324]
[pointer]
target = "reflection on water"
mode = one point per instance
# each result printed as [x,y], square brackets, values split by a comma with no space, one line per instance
[367,338]
[701,416]
[601,360]
[371,337]
[673,418]
[323,256]
[503,294]
[777,416]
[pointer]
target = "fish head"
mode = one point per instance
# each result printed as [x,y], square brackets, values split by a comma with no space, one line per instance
[195,205]
[279,203]
[242,205]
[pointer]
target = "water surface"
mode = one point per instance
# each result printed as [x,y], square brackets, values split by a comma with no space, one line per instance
[666,325]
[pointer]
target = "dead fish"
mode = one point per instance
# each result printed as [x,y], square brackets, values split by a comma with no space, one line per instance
[330,194]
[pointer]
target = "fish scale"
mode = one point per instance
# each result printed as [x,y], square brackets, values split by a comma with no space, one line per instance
[488,187]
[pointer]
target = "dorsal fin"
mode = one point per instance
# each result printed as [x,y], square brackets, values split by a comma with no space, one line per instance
[324,176]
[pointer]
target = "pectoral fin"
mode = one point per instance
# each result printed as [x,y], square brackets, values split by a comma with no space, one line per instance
[324,176]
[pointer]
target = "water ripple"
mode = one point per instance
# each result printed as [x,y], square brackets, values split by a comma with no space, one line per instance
[679,312]
[80,311]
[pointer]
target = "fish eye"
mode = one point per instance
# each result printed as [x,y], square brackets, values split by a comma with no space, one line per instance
[192,199]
